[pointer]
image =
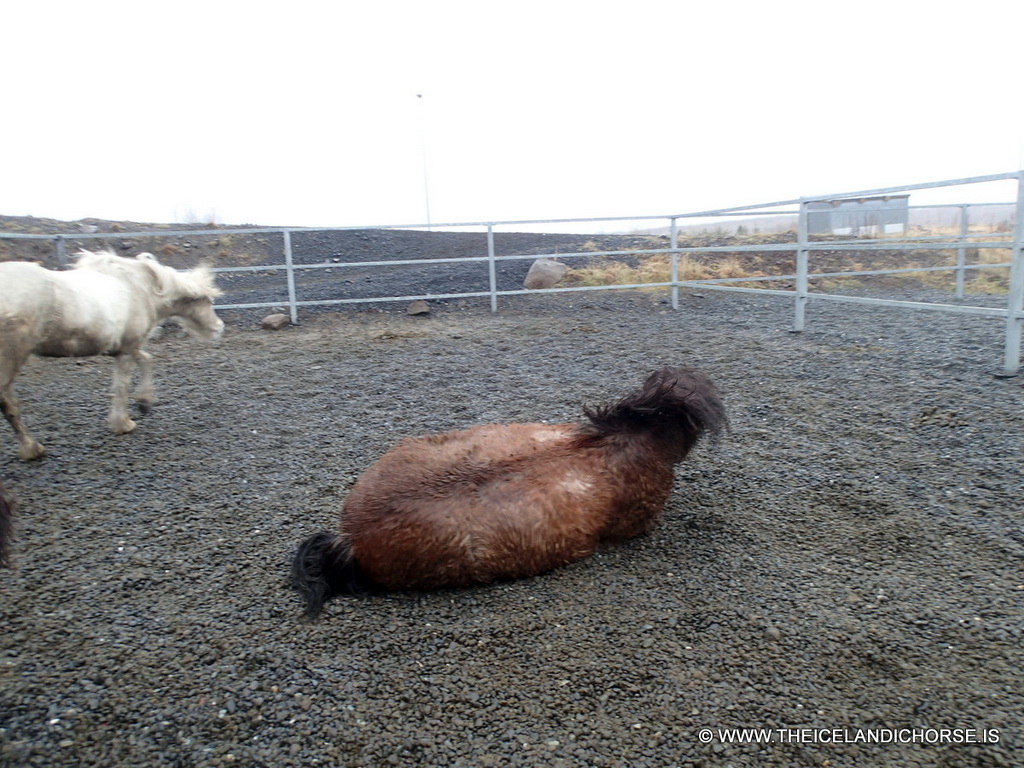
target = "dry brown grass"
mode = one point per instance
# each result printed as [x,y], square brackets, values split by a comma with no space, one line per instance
[730,266]
[652,269]
[989,280]
[656,268]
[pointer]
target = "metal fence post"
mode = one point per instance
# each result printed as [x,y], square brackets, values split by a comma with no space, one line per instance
[961,252]
[1015,296]
[290,272]
[674,245]
[492,274]
[801,270]
[62,254]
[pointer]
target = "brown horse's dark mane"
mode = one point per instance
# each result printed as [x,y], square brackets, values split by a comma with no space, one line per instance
[679,405]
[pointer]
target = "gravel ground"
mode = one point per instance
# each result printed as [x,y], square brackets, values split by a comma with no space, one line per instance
[849,557]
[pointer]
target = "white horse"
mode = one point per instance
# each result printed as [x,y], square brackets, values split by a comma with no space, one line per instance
[107,304]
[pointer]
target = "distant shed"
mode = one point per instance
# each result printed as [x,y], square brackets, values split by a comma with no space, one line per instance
[859,215]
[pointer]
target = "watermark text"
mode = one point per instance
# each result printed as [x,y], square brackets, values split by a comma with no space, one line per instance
[849,735]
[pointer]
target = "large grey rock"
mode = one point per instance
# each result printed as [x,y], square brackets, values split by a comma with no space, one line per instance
[274,322]
[544,273]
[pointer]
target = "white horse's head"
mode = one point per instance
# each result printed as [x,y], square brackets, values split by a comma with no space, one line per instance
[187,296]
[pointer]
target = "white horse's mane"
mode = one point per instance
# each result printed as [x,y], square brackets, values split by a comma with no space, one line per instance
[197,283]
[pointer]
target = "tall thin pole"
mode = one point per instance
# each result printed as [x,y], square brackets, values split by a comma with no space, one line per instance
[423,155]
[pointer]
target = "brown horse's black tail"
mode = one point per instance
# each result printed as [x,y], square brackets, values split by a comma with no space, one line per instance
[680,405]
[324,567]
[6,527]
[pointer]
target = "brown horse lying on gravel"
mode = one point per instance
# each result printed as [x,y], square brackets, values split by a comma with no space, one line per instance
[505,501]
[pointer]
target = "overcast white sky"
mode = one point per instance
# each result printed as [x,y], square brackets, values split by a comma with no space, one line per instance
[306,113]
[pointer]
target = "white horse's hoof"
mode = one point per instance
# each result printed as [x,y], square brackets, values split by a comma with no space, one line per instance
[31,451]
[122,427]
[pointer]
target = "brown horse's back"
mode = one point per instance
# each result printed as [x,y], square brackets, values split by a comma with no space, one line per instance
[487,503]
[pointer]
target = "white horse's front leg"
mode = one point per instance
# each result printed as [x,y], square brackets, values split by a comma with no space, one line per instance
[28,449]
[118,420]
[146,393]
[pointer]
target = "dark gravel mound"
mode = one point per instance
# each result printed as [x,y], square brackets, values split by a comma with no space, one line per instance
[354,247]
[848,558]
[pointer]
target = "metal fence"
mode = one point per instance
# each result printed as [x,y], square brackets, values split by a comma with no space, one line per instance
[804,247]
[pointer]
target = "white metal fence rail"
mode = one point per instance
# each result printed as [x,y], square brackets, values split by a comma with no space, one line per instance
[803,248]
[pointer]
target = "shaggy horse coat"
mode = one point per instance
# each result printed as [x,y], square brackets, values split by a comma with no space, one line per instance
[106,305]
[505,501]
